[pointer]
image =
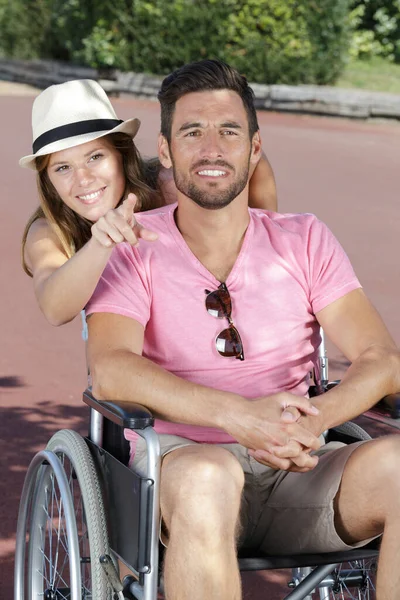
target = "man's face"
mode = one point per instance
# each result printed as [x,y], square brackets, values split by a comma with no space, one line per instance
[210,149]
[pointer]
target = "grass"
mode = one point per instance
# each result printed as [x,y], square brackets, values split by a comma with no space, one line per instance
[377,75]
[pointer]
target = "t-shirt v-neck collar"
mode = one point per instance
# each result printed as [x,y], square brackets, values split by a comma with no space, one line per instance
[194,261]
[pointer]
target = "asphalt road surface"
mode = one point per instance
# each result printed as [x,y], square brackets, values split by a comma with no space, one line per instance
[345,172]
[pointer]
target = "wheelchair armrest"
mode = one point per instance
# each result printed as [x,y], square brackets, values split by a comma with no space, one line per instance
[125,414]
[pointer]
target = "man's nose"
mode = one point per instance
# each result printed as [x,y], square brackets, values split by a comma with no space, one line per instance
[211,147]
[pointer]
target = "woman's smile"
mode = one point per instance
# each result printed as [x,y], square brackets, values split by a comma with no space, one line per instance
[92,197]
[89,178]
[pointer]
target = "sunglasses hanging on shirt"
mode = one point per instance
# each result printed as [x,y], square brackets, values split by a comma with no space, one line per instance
[219,304]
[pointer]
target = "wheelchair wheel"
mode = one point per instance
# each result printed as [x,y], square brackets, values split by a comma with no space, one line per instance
[50,571]
[351,581]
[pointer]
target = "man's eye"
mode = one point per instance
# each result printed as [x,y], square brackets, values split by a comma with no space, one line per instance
[229,132]
[192,134]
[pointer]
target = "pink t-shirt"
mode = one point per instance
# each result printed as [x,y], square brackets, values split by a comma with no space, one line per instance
[289,268]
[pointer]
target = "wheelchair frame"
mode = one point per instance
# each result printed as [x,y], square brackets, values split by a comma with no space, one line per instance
[144,497]
[125,492]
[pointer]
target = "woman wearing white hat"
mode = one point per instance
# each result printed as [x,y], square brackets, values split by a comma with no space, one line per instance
[90,179]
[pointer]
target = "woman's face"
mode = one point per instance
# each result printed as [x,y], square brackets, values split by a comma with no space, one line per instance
[89,178]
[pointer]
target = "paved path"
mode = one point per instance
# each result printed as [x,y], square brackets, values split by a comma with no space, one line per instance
[9,88]
[345,172]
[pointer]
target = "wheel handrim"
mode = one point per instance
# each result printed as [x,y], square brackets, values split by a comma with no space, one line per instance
[50,563]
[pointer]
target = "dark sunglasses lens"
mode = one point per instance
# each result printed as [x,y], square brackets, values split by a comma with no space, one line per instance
[218,304]
[229,343]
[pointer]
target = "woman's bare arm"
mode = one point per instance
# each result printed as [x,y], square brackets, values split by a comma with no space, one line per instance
[262,188]
[64,286]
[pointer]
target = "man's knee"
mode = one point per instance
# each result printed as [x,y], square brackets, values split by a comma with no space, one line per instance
[370,489]
[376,462]
[386,458]
[201,485]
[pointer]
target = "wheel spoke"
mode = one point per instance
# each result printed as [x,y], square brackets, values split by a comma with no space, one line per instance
[345,586]
[52,568]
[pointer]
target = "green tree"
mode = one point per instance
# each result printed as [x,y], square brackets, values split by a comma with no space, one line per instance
[272,41]
[23,25]
[376,29]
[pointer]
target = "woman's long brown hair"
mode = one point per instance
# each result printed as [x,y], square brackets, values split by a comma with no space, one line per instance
[72,230]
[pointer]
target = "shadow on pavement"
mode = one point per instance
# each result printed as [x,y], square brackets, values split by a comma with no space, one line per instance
[11,381]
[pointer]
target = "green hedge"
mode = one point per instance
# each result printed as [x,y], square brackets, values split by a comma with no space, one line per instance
[23,27]
[376,29]
[271,41]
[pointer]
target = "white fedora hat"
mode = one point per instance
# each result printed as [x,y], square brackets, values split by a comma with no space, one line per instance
[72,113]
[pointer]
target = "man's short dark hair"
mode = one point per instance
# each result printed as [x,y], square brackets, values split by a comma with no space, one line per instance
[202,76]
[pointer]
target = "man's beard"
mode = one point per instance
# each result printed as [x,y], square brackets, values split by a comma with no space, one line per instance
[209,199]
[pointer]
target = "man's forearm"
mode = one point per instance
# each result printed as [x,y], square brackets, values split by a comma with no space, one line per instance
[125,376]
[373,375]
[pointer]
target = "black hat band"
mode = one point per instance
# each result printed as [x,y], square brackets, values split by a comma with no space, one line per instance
[73,129]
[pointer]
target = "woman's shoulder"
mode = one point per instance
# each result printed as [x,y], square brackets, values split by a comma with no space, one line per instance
[40,225]
[41,230]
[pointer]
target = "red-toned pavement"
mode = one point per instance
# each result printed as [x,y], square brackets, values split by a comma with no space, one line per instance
[345,172]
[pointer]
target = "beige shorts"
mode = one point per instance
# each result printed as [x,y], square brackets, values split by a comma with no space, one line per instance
[282,512]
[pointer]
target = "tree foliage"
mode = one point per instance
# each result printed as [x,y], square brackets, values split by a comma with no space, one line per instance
[23,27]
[272,41]
[376,29]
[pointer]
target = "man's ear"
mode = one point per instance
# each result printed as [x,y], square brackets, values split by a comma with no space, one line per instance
[256,148]
[163,151]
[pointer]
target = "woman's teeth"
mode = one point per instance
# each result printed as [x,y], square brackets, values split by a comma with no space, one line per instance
[91,196]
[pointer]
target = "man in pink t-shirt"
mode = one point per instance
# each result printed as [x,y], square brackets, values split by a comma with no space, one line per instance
[215,327]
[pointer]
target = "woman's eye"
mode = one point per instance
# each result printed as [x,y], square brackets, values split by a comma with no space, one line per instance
[96,156]
[61,168]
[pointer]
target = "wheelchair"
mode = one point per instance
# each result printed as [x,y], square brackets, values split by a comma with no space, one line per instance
[83,511]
